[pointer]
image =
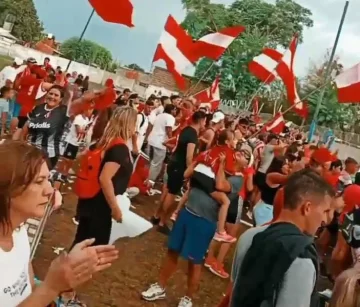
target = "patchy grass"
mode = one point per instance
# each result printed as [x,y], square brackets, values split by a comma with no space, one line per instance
[5,61]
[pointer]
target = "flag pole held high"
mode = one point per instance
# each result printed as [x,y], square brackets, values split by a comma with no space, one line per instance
[328,69]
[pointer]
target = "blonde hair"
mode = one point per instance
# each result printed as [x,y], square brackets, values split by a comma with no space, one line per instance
[347,289]
[121,124]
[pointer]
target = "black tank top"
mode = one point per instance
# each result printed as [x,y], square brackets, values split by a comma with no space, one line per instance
[268,194]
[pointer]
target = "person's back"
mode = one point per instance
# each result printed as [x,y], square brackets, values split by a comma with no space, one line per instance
[276,265]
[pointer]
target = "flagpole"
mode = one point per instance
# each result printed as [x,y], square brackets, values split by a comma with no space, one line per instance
[82,34]
[328,68]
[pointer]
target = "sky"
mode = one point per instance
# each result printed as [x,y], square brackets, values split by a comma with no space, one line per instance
[67,18]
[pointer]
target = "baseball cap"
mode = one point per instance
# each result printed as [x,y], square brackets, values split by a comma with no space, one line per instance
[218,117]
[31,60]
[18,61]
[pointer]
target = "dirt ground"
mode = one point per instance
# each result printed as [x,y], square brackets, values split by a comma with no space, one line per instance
[136,268]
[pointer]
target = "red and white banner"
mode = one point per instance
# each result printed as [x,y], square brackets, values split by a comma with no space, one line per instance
[271,64]
[175,49]
[348,85]
[264,65]
[119,11]
[213,45]
[210,97]
[277,125]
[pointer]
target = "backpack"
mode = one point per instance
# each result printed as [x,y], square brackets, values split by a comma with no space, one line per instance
[87,183]
[142,119]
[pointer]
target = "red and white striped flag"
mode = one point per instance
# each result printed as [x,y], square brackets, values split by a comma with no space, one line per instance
[272,64]
[119,11]
[277,125]
[348,85]
[175,49]
[213,45]
[210,97]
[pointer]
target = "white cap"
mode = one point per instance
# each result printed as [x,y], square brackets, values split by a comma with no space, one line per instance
[218,117]
[18,61]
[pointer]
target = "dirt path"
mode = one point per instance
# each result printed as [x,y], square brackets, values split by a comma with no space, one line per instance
[137,267]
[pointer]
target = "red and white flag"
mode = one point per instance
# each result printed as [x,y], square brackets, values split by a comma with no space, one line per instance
[119,11]
[264,65]
[210,97]
[213,45]
[175,49]
[272,64]
[277,125]
[348,85]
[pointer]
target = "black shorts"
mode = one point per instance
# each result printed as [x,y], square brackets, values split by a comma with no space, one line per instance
[22,121]
[70,151]
[175,178]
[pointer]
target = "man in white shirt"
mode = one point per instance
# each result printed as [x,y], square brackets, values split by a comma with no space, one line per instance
[9,73]
[142,123]
[161,131]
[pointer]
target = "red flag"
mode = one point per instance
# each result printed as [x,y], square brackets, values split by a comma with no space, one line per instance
[174,49]
[271,64]
[277,125]
[348,85]
[114,11]
[213,45]
[210,97]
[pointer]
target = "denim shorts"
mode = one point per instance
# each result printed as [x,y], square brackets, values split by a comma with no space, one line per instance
[191,236]
[263,213]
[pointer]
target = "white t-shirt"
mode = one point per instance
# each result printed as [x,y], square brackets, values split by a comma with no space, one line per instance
[73,138]
[154,113]
[142,123]
[8,73]
[158,133]
[15,285]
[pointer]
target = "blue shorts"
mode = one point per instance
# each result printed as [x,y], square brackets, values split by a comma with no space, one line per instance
[191,236]
[16,109]
[263,213]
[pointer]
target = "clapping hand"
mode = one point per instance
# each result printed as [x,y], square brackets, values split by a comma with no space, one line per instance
[69,271]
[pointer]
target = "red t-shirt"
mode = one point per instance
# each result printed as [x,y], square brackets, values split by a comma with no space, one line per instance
[211,158]
[249,171]
[30,91]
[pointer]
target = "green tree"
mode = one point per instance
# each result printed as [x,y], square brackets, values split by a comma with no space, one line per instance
[27,25]
[86,52]
[114,66]
[136,67]
[266,24]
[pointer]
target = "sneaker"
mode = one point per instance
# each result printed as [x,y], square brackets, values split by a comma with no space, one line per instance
[155,220]
[209,261]
[185,302]
[154,293]
[165,230]
[224,237]
[75,221]
[218,269]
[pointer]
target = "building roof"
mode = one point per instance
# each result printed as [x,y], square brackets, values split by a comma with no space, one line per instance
[161,77]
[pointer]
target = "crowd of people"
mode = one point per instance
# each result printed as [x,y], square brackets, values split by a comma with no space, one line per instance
[214,169]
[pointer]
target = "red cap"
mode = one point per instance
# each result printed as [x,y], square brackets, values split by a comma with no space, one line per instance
[323,155]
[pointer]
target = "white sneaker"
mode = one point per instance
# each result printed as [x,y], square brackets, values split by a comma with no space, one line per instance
[154,293]
[185,302]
